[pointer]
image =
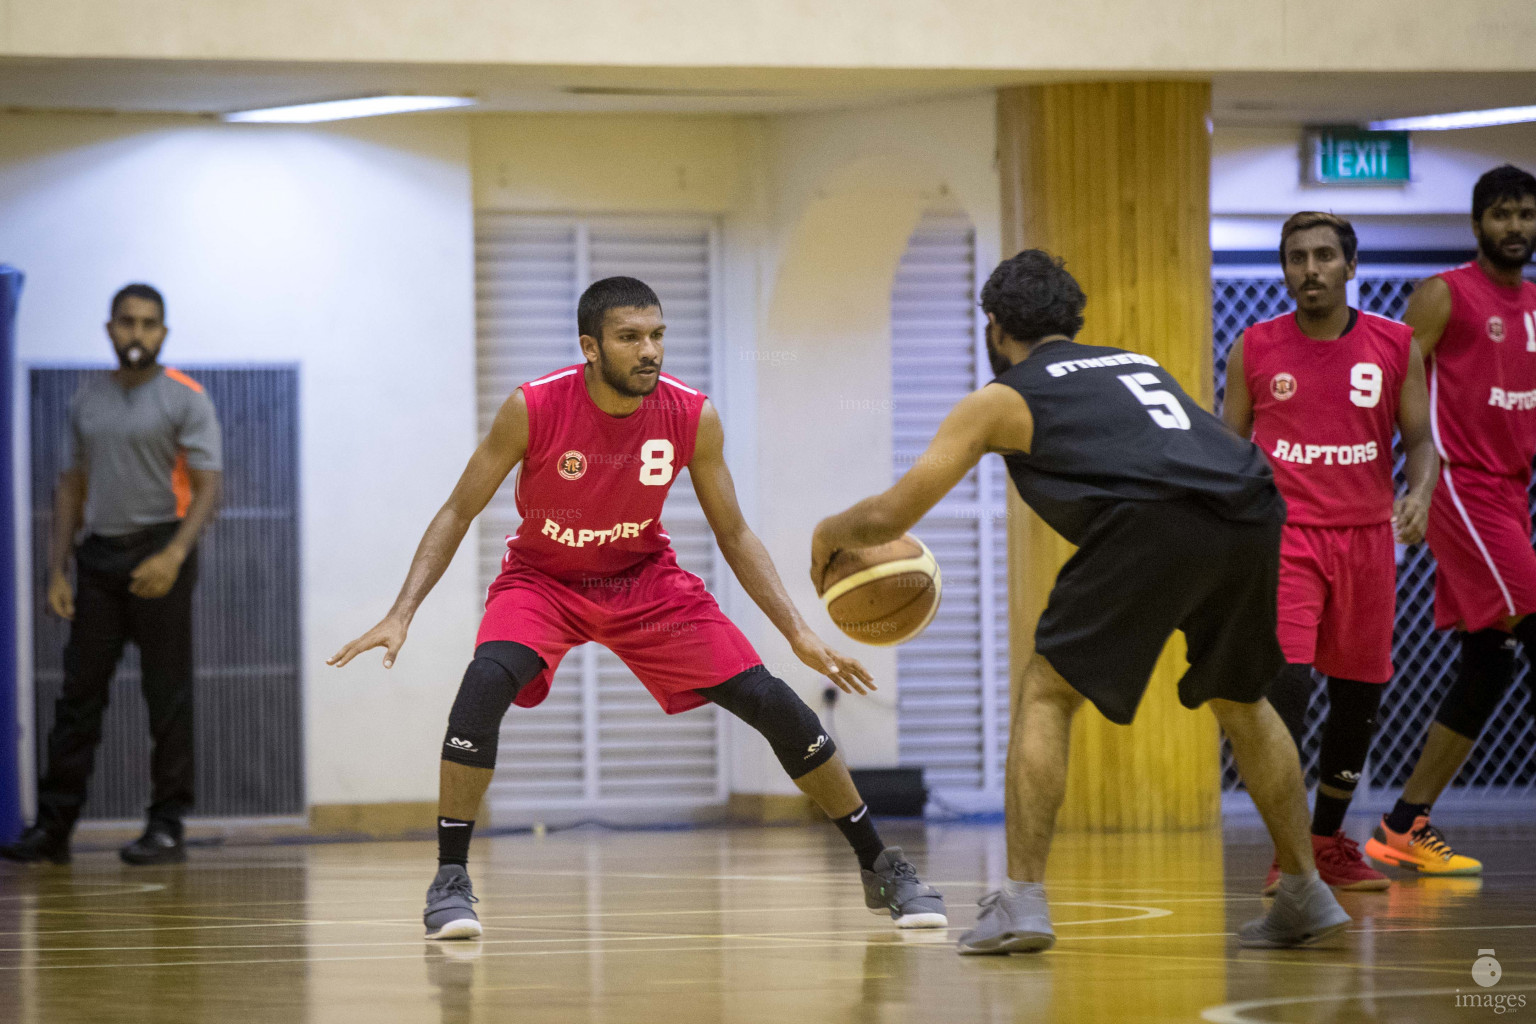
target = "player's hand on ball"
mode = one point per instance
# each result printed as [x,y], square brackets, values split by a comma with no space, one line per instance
[1410,518]
[388,634]
[822,554]
[848,674]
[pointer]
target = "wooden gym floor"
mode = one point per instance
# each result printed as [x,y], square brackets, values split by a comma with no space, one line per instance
[736,925]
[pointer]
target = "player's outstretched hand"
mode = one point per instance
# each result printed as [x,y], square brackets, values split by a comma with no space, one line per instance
[1410,518]
[388,634]
[848,674]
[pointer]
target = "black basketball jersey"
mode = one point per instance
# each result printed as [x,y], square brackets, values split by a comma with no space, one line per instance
[1112,426]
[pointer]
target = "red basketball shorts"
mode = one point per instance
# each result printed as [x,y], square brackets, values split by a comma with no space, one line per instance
[1338,599]
[1480,535]
[657,617]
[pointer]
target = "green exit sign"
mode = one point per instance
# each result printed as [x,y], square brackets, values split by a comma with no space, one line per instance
[1352,156]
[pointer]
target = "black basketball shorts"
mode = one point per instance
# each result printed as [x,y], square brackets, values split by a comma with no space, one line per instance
[1146,568]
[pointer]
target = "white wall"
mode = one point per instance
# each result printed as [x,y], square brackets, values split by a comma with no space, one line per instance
[843,192]
[816,211]
[347,250]
[1256,183]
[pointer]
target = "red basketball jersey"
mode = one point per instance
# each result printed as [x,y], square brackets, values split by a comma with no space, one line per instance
[1325,411]
[1482,375]
[591,487]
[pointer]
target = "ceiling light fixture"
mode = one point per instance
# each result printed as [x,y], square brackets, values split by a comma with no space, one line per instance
[339,110]
[1459,119]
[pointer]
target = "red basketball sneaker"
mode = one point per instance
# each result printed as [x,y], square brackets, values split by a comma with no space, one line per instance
[1339,864]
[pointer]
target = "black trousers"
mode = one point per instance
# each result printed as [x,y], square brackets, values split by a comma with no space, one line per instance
[107,616]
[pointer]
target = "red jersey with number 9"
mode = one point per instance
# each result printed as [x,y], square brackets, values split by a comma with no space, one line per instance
[1324,413]
[591,487]
[1482,375]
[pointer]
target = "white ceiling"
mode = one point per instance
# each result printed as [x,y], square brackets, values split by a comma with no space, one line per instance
[204,88]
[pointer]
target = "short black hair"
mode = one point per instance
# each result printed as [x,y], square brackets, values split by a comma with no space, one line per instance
[1033,296]
[611,293]
[1504,182]
[1348,243]
[139,291]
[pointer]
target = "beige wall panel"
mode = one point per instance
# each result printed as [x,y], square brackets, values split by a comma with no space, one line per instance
[611,163]
[1149,36]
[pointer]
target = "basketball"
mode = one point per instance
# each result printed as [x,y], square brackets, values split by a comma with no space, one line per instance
[884,595]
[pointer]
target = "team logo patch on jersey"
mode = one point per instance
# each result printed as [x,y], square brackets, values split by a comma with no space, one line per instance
[1282,386]
[573,465]
[1496,328]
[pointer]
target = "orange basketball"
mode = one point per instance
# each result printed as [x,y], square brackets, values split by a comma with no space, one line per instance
[883,595]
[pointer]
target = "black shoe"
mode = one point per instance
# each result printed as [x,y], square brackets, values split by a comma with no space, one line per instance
[37,845]
[158,845]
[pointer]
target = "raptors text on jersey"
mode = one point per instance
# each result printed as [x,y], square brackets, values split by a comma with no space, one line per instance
[1324,413]
[592,485]
[1482,375]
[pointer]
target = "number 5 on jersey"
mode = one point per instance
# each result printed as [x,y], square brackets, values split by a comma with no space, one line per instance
[1162,406]
[656,462]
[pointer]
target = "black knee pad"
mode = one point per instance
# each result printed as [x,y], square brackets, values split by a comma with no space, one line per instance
[767,704]
[1347,732]
[491,683]
[1486,670]
[1289,694]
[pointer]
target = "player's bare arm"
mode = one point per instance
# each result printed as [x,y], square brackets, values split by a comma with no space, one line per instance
[1410,514]
[1237,405]
[993,419]
[1429,310]
[501,450]
[748,558]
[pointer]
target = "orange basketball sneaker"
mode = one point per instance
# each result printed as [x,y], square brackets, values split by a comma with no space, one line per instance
[1339,864]
[1422,848]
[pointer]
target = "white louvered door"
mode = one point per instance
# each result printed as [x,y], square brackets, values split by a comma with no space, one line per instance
[952,681]
[598,744]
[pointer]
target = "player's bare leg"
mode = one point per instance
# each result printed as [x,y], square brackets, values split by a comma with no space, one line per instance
[1271,769]
[1443,755]
[460,788]
[891,885]
[1305,910]
[1016,918]
[831,788]
[450,899]
[1037,767]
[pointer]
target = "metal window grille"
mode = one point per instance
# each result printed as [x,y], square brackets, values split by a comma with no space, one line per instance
[598,743]
[247,697]
[1504,760]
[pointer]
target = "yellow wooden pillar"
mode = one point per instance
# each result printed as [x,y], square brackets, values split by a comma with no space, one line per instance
[1115,178]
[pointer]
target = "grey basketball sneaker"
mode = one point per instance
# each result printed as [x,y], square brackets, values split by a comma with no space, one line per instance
[893,886]
[449,914]
[1303,919]
[1010,924]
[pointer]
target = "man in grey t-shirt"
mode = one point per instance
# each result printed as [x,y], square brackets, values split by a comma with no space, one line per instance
[143,478]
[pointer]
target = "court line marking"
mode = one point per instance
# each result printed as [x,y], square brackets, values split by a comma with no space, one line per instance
[1144,914]
[652,935]
[127,889]
[762,944]
[1300,958]
[1237,1013]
